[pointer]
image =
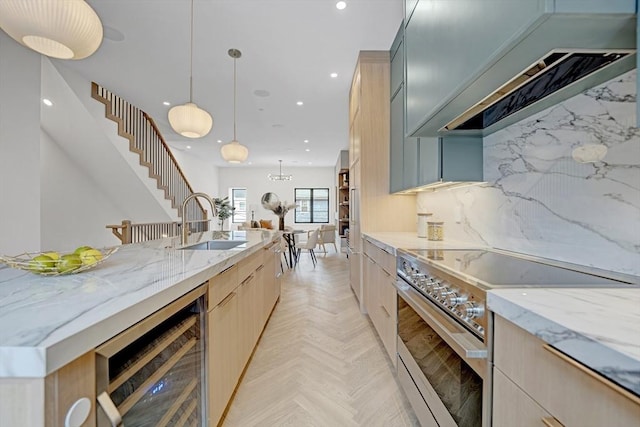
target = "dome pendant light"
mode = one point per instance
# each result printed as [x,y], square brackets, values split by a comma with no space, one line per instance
[234,152]
[68,29]
[188,119]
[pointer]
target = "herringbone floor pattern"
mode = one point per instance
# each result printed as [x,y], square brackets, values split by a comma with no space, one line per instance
[319,362]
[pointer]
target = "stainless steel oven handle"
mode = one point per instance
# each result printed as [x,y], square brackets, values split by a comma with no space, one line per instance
[461,341]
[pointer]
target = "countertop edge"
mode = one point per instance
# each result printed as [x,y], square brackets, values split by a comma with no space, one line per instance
[591,352]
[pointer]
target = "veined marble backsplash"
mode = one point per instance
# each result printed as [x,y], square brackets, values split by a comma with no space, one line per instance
[538,200]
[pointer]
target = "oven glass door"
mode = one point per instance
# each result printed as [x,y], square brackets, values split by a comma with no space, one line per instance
[457,385]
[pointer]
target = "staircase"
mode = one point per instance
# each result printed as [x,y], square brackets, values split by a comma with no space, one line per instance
[145,140]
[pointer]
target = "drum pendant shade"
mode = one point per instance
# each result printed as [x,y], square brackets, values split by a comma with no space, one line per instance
[63,29]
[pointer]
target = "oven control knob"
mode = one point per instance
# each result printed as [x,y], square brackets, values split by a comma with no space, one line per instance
[471,310]
[444,293]
[435,290]
[456,298]
[417,278]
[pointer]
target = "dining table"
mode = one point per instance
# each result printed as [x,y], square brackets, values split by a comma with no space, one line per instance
[289,237]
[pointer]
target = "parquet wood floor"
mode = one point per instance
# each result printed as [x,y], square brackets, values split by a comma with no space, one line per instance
[319,361]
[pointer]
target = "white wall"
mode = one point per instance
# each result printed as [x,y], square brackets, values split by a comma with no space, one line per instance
[201,174]
[540,201]
[19,148]
[74,208]
[256,182]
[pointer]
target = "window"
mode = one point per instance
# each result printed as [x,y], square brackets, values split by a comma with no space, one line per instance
[312,205]
[239,201]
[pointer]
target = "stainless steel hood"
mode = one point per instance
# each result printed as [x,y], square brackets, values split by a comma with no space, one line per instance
[557,69]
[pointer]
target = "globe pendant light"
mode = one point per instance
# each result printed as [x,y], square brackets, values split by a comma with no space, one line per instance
[188,119]
[234,152]
[63,29]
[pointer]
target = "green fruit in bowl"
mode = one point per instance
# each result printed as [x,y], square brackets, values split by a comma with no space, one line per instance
[42,264]
[81,249]
[90,256]
[53,255]
[69,262]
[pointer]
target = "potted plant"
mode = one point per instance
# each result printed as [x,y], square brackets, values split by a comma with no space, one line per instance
[224,208]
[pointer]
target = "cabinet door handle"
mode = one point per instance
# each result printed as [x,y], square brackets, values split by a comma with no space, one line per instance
[613,386]
[551,422]
[247,280]
[385,310]
[226,300]
[110,409]
[260,268]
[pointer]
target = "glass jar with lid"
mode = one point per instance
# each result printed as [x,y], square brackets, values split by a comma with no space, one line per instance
[435,230]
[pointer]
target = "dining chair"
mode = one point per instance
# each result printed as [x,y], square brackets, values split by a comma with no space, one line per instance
[309,246]
[327,235]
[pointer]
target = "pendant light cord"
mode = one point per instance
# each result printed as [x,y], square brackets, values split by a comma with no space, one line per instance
[234,98]
[191,59]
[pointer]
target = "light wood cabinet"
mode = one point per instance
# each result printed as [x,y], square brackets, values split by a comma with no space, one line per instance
[570,393]
[373,208]
[241,299]
[224,351]
[379,268]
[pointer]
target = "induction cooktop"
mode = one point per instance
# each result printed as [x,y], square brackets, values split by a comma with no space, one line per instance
[499,269]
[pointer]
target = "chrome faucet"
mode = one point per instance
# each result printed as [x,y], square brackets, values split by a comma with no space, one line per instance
[185,231]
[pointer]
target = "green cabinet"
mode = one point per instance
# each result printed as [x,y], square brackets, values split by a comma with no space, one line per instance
[458,52]
[450,159]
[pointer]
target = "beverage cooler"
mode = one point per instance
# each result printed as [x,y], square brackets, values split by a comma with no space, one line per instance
[153,374]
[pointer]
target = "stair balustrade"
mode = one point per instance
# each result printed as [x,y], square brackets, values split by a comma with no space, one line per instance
[129,232]
[146,140]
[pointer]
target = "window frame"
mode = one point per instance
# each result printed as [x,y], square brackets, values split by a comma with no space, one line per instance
[232,198]
[311,203]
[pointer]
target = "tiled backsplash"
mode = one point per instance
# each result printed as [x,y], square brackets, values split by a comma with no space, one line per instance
[540,201]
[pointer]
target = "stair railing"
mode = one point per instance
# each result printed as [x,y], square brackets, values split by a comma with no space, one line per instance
[146,140]
[129,232]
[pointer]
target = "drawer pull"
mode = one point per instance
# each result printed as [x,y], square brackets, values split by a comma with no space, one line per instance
[551,422]
[227,299]
[110,409]
[385,310]
[613,386]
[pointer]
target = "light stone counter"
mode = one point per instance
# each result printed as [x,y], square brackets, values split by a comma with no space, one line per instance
[46,322]
[600,328]
[393,240]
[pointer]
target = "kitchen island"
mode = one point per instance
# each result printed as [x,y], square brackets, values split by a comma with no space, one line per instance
[48,322]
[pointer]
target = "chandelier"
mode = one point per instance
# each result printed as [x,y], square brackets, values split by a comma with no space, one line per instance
[280,176]
[234,152]
[68,29]
[188,119]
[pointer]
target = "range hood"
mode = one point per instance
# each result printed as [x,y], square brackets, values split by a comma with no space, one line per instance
[557,69]
[564,48]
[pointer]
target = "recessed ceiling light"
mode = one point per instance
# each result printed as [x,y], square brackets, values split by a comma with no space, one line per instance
[188,147]
[249,163]
[300,103]
[219,141]
[306,141]
[307,149]
[309,163]
[166,103]
[334,75]
[341,5]
[47,102]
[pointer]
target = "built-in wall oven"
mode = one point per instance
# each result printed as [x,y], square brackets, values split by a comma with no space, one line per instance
[444,330]
[153,374]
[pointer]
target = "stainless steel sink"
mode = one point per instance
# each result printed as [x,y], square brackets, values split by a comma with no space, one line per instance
[213,245]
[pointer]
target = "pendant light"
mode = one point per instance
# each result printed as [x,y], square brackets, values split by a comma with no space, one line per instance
[63,29]
[280,176]
[188,119]
[234,152]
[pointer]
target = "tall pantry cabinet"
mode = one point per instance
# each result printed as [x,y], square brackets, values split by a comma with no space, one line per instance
[373,208]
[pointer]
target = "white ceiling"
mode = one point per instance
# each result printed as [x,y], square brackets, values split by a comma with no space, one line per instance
[289,48]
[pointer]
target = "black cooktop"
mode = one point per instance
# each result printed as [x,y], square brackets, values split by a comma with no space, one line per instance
[498,269]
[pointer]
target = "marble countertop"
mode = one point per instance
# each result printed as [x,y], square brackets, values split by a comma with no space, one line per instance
[46,322]
[599,328]
[393,240]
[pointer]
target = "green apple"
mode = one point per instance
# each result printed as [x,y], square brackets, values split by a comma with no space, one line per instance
[69,262]
[81,249]
[42,264]
[90,256]
[53,255]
